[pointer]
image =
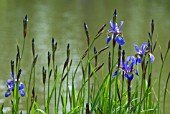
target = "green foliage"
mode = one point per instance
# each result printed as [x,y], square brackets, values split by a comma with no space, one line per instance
[112,94]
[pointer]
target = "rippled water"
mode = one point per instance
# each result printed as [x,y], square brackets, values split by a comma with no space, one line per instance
[64,20]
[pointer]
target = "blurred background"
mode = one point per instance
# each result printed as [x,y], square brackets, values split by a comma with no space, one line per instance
[64,19]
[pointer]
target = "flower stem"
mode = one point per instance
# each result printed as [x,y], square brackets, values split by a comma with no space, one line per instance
[160,75]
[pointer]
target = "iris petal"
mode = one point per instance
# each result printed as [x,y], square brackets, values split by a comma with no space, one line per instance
[138,60]
[7,94]
[121,24]
[21,86]
[22,93]
[129,77]
[152,58]
[136,72]
[115,73]
[143,46]
[111,24]
[136,47]
[120,40]
[108,40]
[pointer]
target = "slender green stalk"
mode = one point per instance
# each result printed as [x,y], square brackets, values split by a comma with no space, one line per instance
[166,84]
[149,85]
[55,93]
[67,90]
[29,91]
[16,98]
[122,90]
[59,94]
[29,83]
[88,62]
[44,99]
[115,83]
[160,76]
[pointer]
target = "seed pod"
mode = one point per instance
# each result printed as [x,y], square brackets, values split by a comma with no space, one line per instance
[68,50]
[12,67]
[87,109]
[114,16]
[44,75]
[49,58]
[152,26]
[25,26]
[19,74]
[87,33]
[169,45]
[100,31]
[33,49]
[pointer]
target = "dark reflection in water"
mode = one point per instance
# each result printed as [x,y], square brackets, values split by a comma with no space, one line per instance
[64,20]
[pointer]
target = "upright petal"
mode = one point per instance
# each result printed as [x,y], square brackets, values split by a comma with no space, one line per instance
[136,47]
[111,24]
[121,24]
[125,66]
[143,47]
[120,40]
[128,58]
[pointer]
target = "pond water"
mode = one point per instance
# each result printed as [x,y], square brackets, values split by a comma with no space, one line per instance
[64,20]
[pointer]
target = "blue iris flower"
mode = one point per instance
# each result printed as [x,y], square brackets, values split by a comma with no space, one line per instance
[127,68]
[10,83]
[116,32]
[143,50]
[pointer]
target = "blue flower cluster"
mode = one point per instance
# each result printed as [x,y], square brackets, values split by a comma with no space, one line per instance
[11,83]
[140,53]
[127,67]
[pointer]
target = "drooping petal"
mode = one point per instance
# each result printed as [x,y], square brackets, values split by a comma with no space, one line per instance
[129,77]
[21,86]
[22,93]
[136,72]
[138,60]
[7,93]
[152,58]
[120,40]
[10,85]
[108,40]
[115,73]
